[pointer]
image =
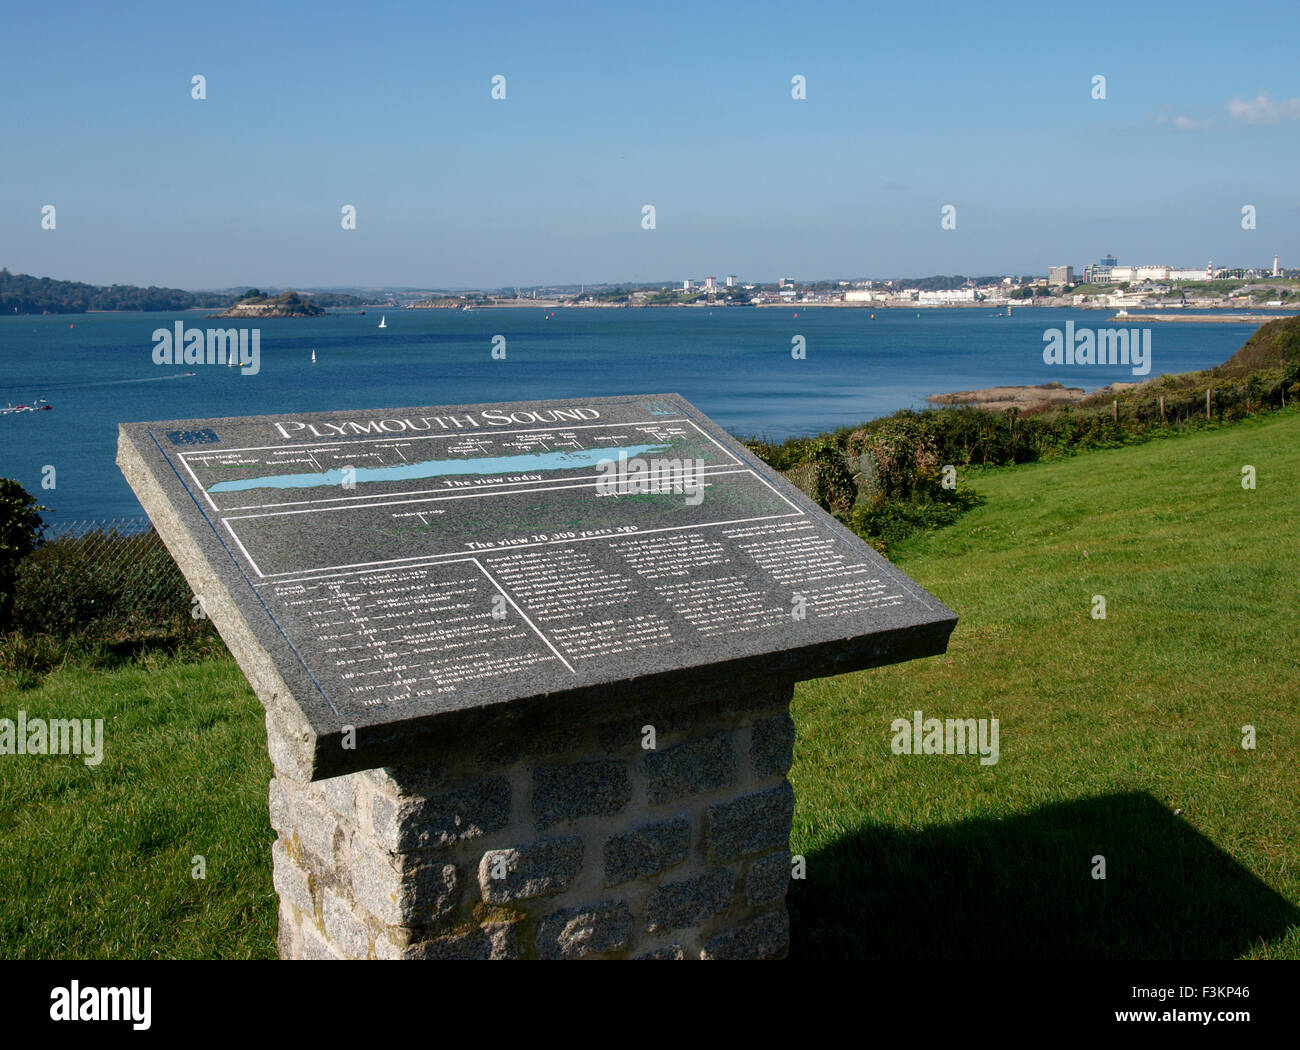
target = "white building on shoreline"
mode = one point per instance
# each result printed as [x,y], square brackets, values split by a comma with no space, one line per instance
[947,296]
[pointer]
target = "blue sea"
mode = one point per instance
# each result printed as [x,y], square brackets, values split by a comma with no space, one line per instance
[734,364]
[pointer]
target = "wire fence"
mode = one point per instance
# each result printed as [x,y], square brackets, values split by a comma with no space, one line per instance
[103,578]
[127,526]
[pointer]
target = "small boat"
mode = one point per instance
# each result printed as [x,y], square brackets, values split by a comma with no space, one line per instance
[39,405]
[383,321]
[313,357]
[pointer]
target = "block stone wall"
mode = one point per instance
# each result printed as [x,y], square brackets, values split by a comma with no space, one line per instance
[553,839]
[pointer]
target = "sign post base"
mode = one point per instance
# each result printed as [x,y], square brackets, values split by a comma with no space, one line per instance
[661,835]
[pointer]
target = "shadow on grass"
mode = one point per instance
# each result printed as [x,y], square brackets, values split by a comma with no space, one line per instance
[182,644]
[26,658]
[1023,888]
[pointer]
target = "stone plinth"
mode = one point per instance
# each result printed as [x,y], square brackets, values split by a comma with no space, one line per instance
[552,841]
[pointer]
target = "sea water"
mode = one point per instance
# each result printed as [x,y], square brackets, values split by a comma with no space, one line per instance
[735,364]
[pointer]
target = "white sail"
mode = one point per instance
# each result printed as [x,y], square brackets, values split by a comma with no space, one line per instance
[383,321]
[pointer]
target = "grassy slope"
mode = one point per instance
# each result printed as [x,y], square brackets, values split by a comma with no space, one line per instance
[1106,728]
[1273,345]
[97,862]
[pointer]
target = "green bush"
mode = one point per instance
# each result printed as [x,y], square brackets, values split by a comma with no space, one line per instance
[103,585]
[834,487]
[782,456]
[905,458]
[20,526]
[890,520]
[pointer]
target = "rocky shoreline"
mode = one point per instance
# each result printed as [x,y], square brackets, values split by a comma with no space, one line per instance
[259,311]
[1000,398]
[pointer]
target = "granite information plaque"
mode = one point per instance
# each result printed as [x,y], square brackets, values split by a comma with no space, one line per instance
[382,575]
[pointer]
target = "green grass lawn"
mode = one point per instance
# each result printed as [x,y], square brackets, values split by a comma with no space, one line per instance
[1106,728]
[97,862]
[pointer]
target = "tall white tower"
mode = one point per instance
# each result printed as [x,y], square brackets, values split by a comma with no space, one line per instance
[1276,271]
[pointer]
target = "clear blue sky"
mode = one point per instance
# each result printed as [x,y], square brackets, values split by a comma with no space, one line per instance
[612,106]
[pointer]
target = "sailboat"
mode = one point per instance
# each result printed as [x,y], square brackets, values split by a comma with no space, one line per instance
[313,357]
[383,321]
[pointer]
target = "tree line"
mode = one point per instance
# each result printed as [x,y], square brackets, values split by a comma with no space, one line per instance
[21,293]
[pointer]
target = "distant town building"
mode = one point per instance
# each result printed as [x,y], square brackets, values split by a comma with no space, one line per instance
[686,286]
[731,280]
[786,282]
[1276,271]
[858,295]
[710,283]
[1060,276]
[1100,272]
[946,296]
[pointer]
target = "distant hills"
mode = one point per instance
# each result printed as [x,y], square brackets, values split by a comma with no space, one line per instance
[22,293]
